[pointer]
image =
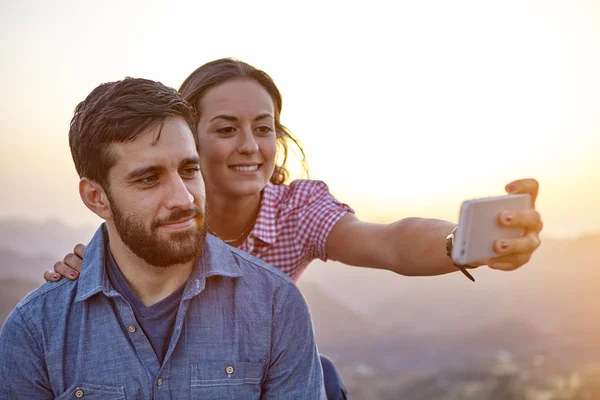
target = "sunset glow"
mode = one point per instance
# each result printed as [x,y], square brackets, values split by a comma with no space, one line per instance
[403,111]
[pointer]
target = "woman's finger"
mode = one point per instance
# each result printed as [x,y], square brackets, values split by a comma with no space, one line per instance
[73,262]
[531,220]
[504,266]
[524,245]
[65,270]
[78,250]
[529,186]
[52,276]
[508,262]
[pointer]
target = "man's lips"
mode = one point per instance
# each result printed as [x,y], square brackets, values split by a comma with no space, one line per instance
[182,223]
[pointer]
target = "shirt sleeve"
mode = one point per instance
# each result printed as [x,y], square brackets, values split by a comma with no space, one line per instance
[22,367]
[320,211]
[294,370]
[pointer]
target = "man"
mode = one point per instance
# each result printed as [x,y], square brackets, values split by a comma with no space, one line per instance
[161,310]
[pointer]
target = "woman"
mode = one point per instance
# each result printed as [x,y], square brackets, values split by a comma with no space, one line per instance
[240,140]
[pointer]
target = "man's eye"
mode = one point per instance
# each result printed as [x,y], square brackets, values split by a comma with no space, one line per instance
[149,180]
[190,171]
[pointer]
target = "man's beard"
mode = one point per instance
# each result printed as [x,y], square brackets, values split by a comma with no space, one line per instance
[180,248]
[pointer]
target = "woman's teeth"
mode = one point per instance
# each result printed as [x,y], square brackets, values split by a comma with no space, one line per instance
[244,168]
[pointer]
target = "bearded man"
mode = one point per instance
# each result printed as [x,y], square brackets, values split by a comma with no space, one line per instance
[161,310]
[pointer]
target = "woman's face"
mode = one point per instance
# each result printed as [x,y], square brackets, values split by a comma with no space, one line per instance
[236,136]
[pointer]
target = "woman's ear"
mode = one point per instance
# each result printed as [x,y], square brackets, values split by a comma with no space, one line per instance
[95,198]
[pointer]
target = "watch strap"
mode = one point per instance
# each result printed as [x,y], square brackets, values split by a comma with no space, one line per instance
[449,245]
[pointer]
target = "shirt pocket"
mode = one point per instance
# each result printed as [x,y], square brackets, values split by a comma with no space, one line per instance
[227,380]
[89,391]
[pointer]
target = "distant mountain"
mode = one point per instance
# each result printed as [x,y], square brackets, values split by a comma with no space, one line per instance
[504,378]
[562,275]
[335,324]
[30,268]
[549,306]
[13,290]
[18,276]
[51,237]
[511,336]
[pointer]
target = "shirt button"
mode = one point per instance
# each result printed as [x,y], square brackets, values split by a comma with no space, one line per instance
[79,393]
[131,328]
[159,382]
[229,370]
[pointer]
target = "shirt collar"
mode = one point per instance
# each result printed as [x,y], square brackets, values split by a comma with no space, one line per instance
[93,277]
[264,227]
[216,259]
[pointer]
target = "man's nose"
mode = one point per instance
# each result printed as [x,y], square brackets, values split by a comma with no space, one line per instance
[179,196]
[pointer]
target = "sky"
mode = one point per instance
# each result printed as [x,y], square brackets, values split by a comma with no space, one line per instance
[404,108]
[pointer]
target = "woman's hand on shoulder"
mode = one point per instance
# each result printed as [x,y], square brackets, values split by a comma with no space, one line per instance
[69,267]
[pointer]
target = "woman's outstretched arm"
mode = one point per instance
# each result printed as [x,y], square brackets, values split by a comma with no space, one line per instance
[416,246]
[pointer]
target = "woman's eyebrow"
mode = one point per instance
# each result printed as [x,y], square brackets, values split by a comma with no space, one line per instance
[263,116]
[225,117]
[231,118]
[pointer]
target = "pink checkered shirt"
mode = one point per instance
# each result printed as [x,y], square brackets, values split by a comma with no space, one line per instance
[292,225]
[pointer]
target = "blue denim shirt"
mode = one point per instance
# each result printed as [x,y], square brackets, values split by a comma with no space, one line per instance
[243,331]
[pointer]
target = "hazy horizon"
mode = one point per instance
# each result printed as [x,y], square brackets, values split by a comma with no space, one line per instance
[91,226]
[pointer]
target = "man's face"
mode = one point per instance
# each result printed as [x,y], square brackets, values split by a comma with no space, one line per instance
[156,195]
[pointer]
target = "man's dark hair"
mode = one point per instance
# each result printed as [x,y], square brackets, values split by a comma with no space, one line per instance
[119,112]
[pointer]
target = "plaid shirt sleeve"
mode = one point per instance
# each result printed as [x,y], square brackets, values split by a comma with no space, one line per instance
[293,224]
[318,212]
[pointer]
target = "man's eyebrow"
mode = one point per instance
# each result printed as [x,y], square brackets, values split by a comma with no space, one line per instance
[139,172]
[195,160]
[155,169]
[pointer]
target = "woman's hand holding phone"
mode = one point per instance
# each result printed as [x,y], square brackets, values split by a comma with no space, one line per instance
[501,232]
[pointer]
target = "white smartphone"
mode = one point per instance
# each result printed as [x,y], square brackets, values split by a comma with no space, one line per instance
[478,226]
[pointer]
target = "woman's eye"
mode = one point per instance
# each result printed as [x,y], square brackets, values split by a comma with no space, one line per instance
[227,130]
[265,129]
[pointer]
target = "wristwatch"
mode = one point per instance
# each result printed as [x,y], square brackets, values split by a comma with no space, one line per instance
[449,245]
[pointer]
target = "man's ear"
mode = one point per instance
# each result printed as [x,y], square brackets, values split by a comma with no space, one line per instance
[95,198]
